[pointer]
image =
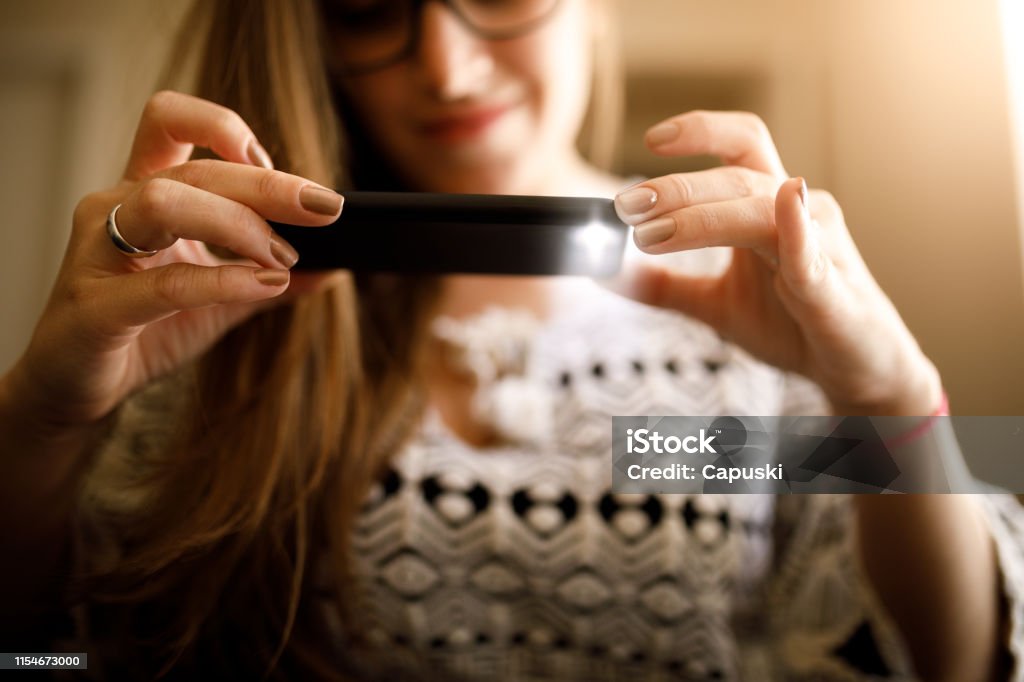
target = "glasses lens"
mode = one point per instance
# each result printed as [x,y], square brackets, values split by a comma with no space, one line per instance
[504,18]
[365,33]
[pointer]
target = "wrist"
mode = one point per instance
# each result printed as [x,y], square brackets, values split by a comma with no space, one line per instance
[917,392]
[43,459]
[920,393]
[28,418]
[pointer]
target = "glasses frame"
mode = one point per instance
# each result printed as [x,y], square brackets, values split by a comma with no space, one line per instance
[415,34]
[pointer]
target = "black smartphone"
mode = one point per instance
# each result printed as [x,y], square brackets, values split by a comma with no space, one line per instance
[414,232]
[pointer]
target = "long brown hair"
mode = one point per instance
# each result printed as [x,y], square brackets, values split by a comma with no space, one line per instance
[286,421]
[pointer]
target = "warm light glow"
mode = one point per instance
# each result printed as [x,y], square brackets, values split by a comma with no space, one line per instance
[1012,16]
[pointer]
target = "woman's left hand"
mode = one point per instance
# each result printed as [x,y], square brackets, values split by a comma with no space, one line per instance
[797,293]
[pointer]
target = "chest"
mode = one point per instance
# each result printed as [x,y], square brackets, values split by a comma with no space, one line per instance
[469,550]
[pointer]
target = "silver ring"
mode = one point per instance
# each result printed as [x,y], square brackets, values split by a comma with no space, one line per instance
[122,245]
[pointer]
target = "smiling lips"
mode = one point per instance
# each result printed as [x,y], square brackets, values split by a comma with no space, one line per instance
[464,125]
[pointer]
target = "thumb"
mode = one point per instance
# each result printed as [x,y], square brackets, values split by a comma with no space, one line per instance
[806,276]
[300,284]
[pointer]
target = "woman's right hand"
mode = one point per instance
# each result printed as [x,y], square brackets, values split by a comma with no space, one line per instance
[113,323]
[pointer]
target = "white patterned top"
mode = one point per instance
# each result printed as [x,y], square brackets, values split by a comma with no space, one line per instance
[517,562]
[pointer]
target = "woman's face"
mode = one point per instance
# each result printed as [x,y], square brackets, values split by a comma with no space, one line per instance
[466,114]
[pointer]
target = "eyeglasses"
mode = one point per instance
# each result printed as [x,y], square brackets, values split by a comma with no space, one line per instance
[370,34]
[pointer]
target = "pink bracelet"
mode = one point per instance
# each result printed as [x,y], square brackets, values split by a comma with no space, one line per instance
[913,434]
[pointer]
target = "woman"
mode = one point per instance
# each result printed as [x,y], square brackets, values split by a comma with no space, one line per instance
[258,471]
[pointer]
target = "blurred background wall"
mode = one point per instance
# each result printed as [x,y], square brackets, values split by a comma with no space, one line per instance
[902,110]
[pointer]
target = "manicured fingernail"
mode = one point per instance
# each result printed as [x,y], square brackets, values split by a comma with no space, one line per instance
[663,133]
[271,277]
[320,200]
[258,156]
[654,232]
[805,210]
[636,201]
[282,251]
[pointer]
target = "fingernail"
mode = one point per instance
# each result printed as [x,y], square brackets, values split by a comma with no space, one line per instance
[271,277]
[320,200]
[282,251]
[663,133]
[804,208]
[654,232]
[637,201]
[258,156]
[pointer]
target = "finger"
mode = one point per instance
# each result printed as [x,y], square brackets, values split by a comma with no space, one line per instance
[173,123]
[161,211]
[273,194]
[743,223]
[805,270]
[651,198]
[737,138]
[150,295]
[300,284]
